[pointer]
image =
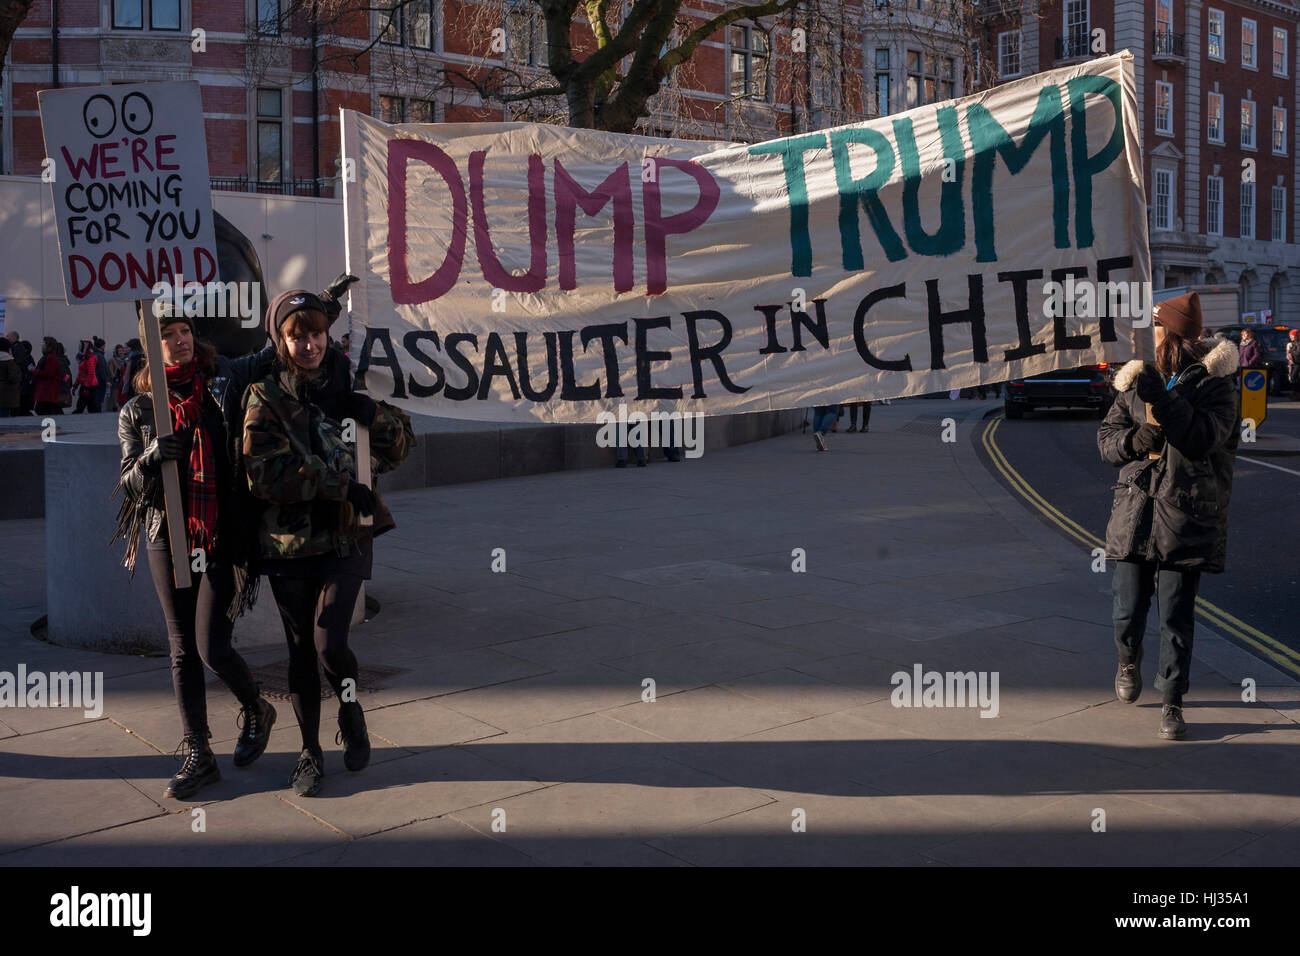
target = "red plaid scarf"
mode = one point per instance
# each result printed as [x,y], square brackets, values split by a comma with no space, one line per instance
[201,480]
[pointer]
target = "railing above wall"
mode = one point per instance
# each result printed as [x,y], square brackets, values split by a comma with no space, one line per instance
[287,187]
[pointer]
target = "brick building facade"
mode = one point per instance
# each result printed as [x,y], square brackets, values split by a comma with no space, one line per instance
[272,90]
[1218,84]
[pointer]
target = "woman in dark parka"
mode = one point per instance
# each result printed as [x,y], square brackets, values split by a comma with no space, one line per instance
[1173,432]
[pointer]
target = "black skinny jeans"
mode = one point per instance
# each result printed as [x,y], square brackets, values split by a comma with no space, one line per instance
[199,633]
[317,612]
[1134,585]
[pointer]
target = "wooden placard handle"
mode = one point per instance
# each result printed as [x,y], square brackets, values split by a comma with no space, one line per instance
[363,469]
[162,421]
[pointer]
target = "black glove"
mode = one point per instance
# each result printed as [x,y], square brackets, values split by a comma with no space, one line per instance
[1150,386]
[334,292]
[1148,438]
[168,448]
[361,498]
[361,408]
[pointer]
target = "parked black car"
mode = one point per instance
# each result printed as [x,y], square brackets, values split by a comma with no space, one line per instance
[1087,386]
[1272,339]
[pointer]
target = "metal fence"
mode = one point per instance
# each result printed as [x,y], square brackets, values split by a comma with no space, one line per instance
[286,187]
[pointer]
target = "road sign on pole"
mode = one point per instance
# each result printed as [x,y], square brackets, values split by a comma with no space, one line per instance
[1254,395]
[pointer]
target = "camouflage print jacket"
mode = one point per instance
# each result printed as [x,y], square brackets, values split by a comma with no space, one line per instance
[296,458]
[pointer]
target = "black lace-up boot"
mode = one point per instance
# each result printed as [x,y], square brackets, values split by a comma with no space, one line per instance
[306,776]
[255,723]
[198,767]
[1128,681]
[352,734]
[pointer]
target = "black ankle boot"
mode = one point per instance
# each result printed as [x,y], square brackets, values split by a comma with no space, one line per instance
[306,776]
[352,734]
[1172,725]
[198,769]
[256,722]
[1128,680]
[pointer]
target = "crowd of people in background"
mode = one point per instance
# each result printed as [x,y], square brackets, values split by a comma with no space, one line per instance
[48,382]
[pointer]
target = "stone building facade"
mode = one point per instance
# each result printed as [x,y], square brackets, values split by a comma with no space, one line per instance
[1218,84]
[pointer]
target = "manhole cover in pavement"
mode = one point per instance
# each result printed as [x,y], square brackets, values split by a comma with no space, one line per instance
[274,679]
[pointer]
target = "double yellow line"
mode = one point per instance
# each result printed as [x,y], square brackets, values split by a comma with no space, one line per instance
[1280,654]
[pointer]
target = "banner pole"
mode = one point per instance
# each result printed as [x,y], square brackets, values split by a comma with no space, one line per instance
[162,419]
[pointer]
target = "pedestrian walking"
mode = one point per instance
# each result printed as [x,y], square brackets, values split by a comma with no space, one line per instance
[11,380]
[313,546]
[201,394]
[131,366]
[1172,431]
[1252,356]
[101,375]
[620,449]
[824,418]
[49,379]
[65,376]
[22,353]
[853,408]
[87,377]
[115,366]
[1293,362]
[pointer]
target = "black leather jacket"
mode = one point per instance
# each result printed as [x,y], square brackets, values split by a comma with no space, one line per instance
[135,430]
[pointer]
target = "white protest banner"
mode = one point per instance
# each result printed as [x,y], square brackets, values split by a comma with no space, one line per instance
[523,271]
[129,167]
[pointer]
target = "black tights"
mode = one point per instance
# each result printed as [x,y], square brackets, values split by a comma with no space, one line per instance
[317,612]
[199,633]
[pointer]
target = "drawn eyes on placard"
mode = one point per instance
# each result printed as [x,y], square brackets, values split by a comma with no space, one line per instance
[137,113]
[100,116]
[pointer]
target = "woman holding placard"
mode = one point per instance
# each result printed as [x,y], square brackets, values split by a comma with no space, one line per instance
[200,618]
[301,426]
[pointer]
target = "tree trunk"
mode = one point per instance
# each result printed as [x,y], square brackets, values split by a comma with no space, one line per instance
[582,105]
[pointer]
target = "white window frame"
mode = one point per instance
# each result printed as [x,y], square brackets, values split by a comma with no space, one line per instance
[1167,128]
[1169,6]
[1280,34]
[748,55]
[1004,54]
[1246,223]
[1279,214]
[1065,25]
[285,122]
[1278,112]
[1253,62]
[267,27]
[1253,125]
[1157,175]
[920,78]
[1211,36]
[1214,205]
[146,18]
[1210,100]
[534,49]
[883,73]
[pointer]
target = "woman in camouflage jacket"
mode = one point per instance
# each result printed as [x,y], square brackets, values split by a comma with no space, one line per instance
[299,455]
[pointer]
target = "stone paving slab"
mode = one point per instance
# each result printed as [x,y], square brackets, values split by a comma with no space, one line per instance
[593,822]
[439,842]
[522,691]
[1060,832]
[250,830]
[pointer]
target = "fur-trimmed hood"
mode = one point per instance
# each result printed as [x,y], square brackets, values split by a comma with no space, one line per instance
[1222,360]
